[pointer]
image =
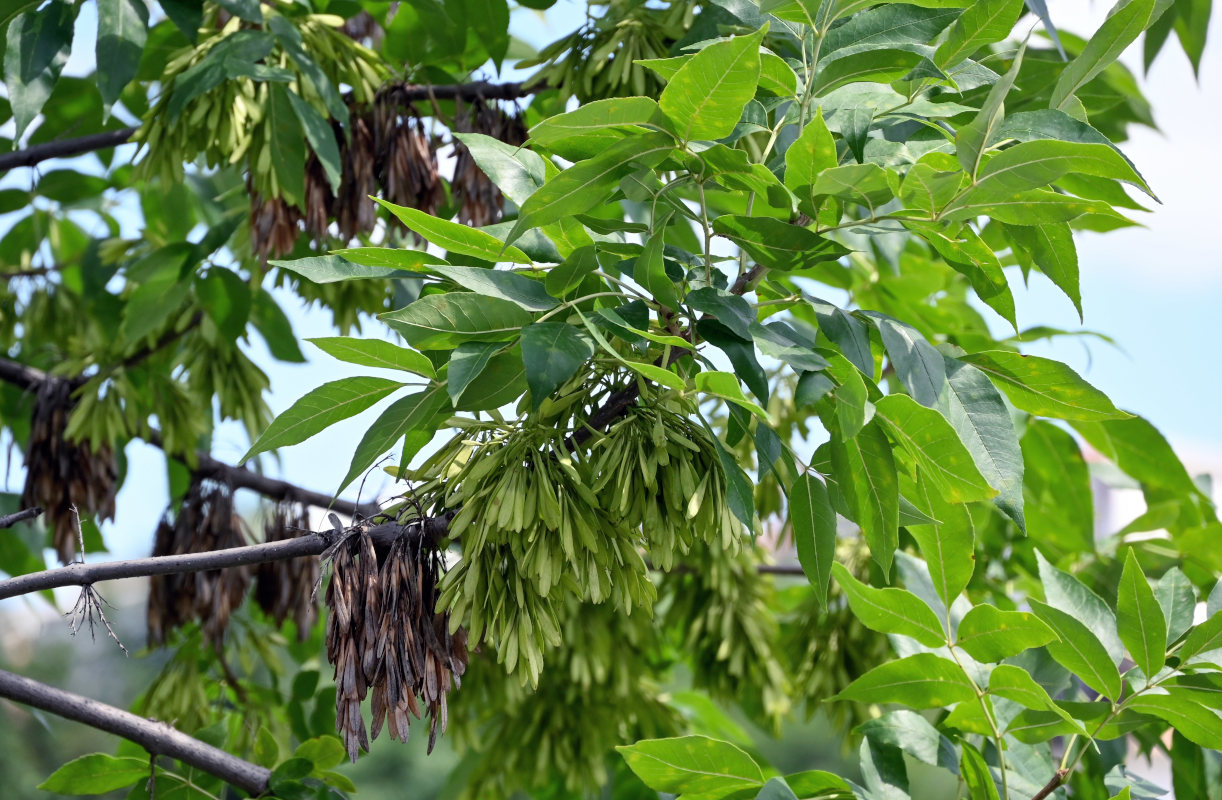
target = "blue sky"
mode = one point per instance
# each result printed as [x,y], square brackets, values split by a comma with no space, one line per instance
[1157,290]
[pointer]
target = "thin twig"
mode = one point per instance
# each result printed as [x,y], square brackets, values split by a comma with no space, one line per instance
[9,520]
[158,738]
[1058,778]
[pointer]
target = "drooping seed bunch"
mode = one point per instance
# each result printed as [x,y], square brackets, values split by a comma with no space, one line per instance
[62,473]
[479,200]
[533,533]
[284,589]
[406,156]
[730,632]
[656,470]
[601,689]
[205,522]
[602,59]
[384,634]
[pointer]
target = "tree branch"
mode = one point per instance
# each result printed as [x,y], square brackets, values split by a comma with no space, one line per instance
[64,148]
[403,93]
[311,544]
[1058,778]
[9,520]
[158,738]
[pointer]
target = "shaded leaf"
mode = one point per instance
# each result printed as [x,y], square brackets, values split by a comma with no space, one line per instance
[890,610]
[443,321]
[552,352]
[989,634]
[319,409]
[813,522]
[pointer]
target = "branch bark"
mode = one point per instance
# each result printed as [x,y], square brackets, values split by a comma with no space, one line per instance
[9,520]
[311,544]
[1058,778]
[403,93]
[158,738]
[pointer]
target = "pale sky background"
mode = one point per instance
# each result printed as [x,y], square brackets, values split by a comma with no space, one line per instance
[1157,290]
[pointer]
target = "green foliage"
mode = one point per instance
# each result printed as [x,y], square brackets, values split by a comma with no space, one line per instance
[624,387]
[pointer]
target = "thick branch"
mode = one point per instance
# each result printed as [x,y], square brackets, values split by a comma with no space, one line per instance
[9,520]
[64,148]
[403,93]
[310,544]
[158,738]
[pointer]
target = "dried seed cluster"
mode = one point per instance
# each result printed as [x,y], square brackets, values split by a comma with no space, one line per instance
[205,522]
[285,589]
[384,635]
[61,473]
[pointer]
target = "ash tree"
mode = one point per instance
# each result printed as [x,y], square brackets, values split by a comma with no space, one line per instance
[717,283]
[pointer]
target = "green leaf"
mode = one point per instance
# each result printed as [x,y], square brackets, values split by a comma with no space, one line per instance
[919,681]
[1139,618]
[321,138]
[1202,639]
[650,272]
[696,766]
[920,367]
[1122,27]
[730,310]
[375,353]
[930,440]
[776,789]
[404,261]
[1057,488]
[272,324]
[741,355]
[287,145]
[454,237]
[777,76]
[911,733]
[864,184]
[738,487]
[596,125]
[290,39]
[498,381]
[968,254]
[810,154]
[95,774]
[1140,450]
[705,98]
[948,547]
[1044,387]
[976,774]
[319,409]
[979,415]
[889,26]
[520,290]
[330,269]
[1051,248]
[589,183]
[1178,601]
[891,610]
[515,171]
[725,385]
[776,244]
[1080,651]
[1069,595]
[982,23]
[989,634]
[324,751]
[467,362]
[37,48]
[972,139]
[226,298]
[552,352]
[813,521]
[444,321]
[122,32]
[568,275]
[1196,722]
[1016,684]
[865,472]
[415,412]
